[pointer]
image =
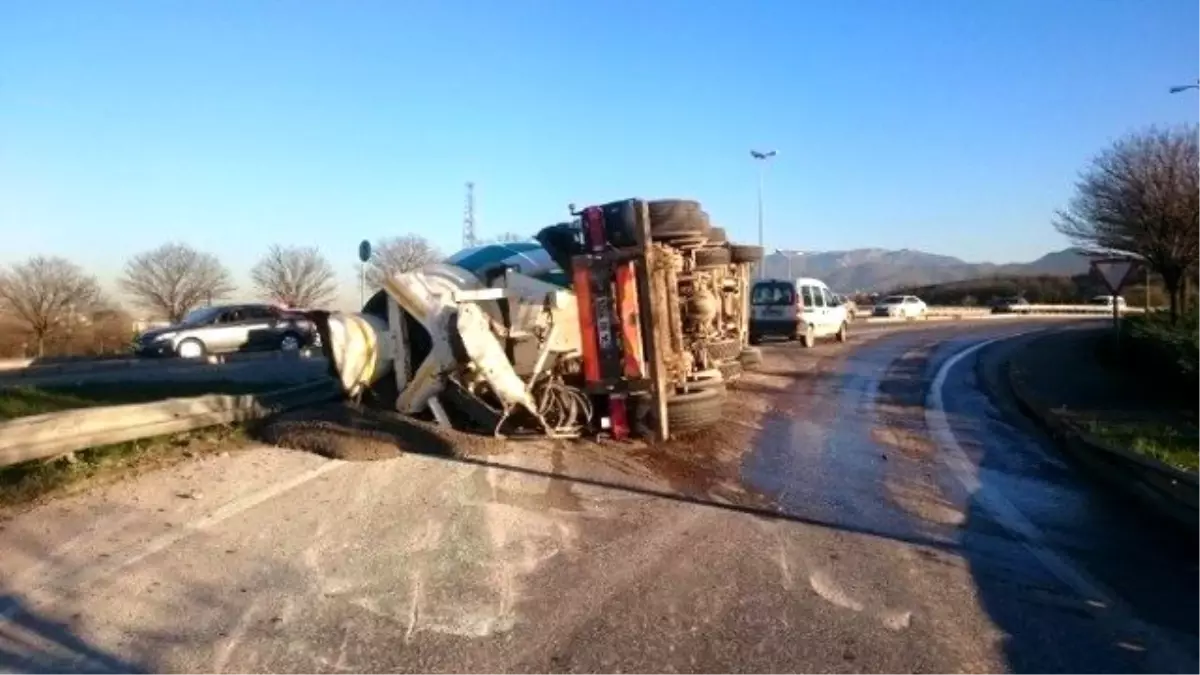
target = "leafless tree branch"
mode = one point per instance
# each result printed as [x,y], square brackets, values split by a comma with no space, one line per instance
[1142,197]
[174,279]
[505,238]
[46,294]
[297,276]
[399,254]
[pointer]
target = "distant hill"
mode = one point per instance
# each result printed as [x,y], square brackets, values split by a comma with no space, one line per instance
[881,270]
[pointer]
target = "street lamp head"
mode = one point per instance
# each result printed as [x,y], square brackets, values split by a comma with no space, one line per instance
[762,155]
[1185,87]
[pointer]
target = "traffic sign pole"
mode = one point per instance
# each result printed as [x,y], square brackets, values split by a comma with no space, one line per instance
[364,254]
[1115,272]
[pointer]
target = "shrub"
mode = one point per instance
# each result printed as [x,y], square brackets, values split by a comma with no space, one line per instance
[1165,352]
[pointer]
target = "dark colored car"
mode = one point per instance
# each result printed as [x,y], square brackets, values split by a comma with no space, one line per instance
[229,328]
[1012,305]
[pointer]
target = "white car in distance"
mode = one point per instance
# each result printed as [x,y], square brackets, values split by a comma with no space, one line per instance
[901,307]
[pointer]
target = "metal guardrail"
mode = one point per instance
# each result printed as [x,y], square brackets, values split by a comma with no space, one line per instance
[16,368]
[1169,491]
[945,313]
[53,434]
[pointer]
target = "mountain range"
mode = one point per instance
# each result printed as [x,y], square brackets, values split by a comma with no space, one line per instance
[881,270]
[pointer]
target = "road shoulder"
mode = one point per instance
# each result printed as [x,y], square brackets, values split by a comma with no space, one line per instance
[1114,425]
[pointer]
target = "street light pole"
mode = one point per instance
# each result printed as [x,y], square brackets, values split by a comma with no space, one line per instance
[1185,87]
[762,158]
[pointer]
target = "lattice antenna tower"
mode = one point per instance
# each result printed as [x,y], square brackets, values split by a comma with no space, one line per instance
[468,229]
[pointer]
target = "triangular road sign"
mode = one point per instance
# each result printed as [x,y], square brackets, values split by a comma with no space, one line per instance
[1114,271]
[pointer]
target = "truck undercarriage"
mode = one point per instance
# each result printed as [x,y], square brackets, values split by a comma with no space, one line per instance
[628,320]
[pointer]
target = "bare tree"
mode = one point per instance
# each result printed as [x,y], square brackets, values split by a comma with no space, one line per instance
[506,238]
[1142,197]
[296,276]
[46,295]
[174,279]
[399,254]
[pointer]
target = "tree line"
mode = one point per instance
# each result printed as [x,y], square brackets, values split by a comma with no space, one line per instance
[43,297]
[1140,198]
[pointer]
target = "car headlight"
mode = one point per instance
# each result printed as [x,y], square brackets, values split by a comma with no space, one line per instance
[164,337]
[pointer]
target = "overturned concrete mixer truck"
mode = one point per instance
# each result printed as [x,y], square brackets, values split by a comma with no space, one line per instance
[627,320]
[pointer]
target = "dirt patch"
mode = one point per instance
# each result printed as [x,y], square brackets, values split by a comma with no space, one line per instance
[352,432]
[911,443]
[703,465]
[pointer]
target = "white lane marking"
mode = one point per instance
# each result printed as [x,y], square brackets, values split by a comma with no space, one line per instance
[1120,618]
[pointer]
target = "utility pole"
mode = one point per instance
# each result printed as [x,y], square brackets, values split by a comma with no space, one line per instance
[468,229]
[762,158]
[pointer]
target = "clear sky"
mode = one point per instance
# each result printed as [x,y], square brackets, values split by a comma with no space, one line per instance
[950,126]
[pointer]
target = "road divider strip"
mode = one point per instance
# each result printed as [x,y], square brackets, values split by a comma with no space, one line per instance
[49,435]
[1168,491]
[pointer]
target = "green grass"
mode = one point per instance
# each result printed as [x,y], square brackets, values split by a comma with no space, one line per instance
[30,481]
[1167,444]
[22,401]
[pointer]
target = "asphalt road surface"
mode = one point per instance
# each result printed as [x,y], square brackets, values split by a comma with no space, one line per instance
[873,507]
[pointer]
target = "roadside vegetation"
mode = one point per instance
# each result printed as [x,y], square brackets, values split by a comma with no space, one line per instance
[1163,357]
[30,482]
[51,307]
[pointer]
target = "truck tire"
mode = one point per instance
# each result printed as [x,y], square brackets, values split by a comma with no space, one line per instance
[731,370]
[751,357]
[705,379]
[712,256]
[745,254]
[717,236]
[724,350]
[677,218]
[695,410]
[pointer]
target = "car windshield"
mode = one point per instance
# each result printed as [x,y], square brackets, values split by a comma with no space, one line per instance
[201,316]
[894,300]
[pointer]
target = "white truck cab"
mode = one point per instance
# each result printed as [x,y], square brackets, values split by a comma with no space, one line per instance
[803,309]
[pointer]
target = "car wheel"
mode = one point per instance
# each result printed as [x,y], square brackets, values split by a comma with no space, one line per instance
[191,348]
[290,342]
[808,339]
[842,334]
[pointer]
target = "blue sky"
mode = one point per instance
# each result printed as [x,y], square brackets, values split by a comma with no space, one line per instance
[948,126]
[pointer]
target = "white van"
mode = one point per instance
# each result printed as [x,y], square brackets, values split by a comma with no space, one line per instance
[804,309]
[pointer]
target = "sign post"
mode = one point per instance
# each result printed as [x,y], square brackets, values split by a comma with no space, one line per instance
[364,254]
[1115,272]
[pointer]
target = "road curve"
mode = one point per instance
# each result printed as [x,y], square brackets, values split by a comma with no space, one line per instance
[889,514]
